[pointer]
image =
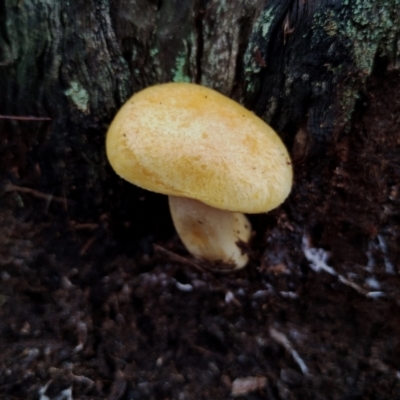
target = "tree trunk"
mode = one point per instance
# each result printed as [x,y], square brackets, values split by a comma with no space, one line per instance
[324,74]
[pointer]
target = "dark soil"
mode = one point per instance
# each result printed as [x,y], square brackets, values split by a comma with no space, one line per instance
[86,313]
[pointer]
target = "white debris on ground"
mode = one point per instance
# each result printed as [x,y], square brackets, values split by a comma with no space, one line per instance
[373,283]
[157,279]
[31,355]
[375,295]
[82,336]
[318,257]
[390,269]
[249,384]
[289,295]
[161,279]
[318,262]
[280,338]
[184,287]
[65,394]
[260,294]
[229,297]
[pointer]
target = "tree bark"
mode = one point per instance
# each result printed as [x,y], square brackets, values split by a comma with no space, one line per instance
[319,72]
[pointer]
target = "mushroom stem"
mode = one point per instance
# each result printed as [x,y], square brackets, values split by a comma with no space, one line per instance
[210,233]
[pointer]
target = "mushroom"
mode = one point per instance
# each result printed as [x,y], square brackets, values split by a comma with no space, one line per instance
[212,157]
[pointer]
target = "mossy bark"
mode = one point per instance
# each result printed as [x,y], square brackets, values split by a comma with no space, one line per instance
[303,65]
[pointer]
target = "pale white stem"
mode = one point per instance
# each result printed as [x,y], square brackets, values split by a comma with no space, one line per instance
[210,233]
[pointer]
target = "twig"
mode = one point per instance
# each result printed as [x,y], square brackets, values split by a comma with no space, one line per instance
[24,118]
[86,246]
[318,261]
[219,267]
[35,193]
[203,351]
[177,258]
[85,226]
[280,338]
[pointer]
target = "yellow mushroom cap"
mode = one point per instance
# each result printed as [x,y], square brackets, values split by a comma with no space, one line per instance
[186,140]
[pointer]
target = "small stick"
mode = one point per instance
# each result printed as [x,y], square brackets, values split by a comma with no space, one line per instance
[35,193]
[177,258]
[22,118]
[86,246]
[280,338]
[220,267]
[85,226]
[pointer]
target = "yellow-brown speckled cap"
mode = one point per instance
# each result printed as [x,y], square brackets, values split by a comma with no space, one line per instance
[186,140]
